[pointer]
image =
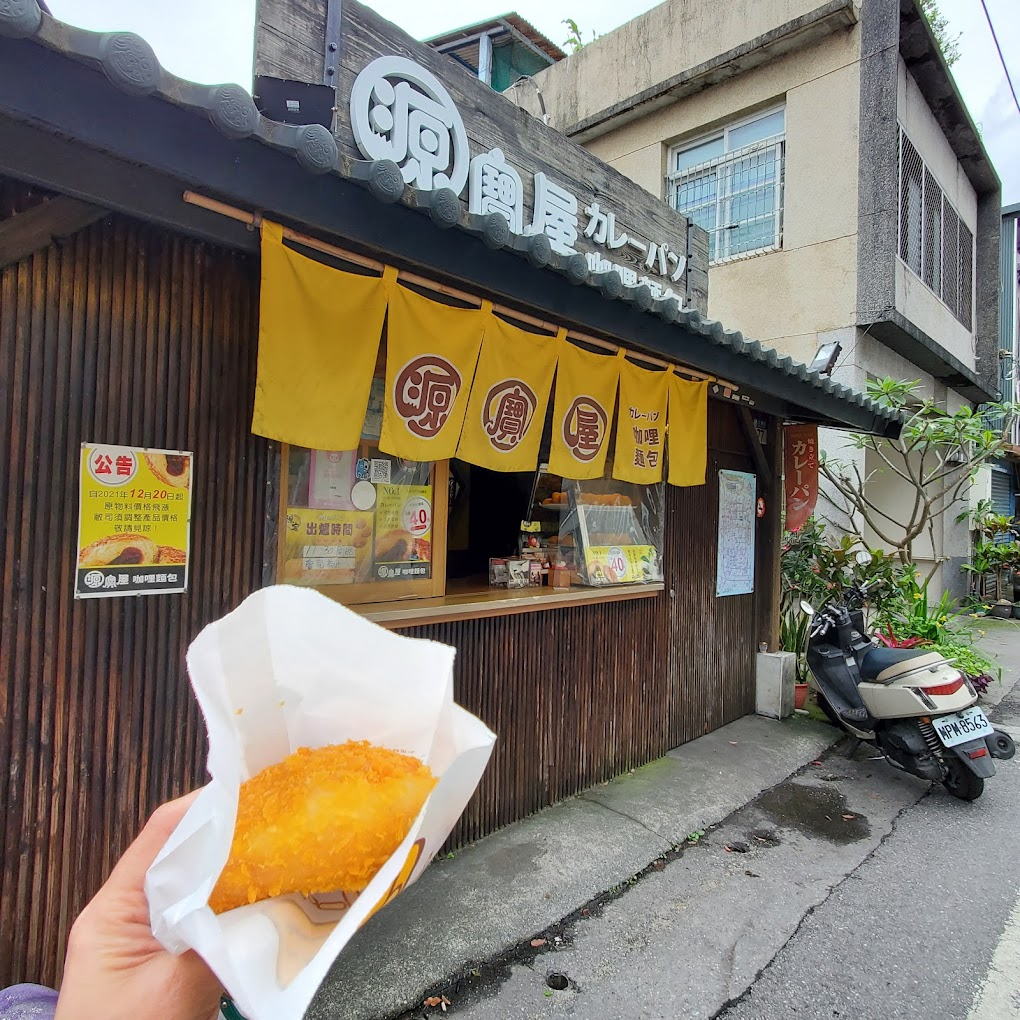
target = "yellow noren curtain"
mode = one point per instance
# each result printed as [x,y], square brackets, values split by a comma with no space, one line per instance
[586,386]
[319,331]
[431,352]
[688,431]
[509,397]
[640,424]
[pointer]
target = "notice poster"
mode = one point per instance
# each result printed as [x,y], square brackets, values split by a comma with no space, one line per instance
[327,546]
[134,514]
[331,479]
[621,564]
[403,532]
[735,569]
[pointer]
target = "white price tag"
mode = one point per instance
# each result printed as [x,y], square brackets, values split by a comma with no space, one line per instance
[417,515]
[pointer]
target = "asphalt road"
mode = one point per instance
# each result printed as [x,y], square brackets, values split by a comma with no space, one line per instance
[849,891]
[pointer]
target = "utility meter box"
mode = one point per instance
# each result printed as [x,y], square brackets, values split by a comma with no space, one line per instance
[776,676]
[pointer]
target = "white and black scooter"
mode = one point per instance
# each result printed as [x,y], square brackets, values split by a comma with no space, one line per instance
[914,706]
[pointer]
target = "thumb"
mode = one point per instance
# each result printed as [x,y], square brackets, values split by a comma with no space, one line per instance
[131,868]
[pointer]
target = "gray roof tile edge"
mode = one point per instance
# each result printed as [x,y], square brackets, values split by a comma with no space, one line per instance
[130,63]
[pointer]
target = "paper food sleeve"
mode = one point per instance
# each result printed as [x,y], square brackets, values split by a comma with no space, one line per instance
[290,668]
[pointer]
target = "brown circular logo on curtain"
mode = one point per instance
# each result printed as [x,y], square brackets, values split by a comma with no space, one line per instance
[584,428]
[509,409]
[424,394]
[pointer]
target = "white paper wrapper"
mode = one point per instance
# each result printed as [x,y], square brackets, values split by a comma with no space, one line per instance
[290,668]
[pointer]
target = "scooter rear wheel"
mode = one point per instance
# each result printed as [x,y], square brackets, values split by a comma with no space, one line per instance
[961,782]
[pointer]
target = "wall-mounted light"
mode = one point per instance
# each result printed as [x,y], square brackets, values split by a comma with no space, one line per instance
[825,358]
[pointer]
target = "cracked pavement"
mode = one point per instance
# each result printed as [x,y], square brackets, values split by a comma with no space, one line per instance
[849,890]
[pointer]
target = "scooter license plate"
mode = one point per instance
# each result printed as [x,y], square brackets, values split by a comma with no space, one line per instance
[959,727]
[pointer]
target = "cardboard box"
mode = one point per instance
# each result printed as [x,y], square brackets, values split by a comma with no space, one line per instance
[498,573]
[559,577]
[518,573]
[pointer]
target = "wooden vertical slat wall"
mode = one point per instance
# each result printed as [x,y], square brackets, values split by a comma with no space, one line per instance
[123,334]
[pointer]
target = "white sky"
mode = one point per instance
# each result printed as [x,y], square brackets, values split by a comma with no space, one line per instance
[210,41]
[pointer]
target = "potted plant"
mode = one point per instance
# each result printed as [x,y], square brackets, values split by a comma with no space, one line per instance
[1001,609]
[800,693]
[984,561]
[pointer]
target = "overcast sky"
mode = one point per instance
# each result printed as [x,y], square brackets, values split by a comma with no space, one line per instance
[210,41]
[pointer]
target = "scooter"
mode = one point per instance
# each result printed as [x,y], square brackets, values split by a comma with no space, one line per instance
[915,707]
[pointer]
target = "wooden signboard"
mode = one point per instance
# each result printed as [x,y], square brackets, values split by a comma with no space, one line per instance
[399,99]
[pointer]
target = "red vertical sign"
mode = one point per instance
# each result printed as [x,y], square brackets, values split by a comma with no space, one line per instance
[801,468]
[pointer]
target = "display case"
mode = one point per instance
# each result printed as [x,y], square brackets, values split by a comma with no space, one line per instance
[600,532]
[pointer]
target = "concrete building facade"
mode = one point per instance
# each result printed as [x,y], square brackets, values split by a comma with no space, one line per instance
[844,186]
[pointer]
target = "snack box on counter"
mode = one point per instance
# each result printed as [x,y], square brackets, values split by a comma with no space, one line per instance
[559,576]
[498,572]
[515,573]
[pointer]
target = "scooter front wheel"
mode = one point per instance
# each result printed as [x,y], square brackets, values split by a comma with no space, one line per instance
[961,782]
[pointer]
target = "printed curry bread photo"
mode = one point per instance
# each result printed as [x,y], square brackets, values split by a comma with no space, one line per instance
[170,468]
[129,550]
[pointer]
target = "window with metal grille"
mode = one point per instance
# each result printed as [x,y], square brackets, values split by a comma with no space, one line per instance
[731,183]
[934,243]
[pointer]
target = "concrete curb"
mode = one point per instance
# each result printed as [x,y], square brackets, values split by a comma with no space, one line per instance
[503,889]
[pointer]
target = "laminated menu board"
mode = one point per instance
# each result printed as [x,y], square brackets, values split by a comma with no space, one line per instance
[735,567]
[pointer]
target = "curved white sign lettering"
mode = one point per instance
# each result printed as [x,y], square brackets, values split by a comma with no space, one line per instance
[401,111]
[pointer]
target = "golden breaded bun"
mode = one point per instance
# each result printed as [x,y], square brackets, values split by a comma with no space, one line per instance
[321,820]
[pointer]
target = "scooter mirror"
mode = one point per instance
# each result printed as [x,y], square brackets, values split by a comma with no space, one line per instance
[807,609]
[863,556]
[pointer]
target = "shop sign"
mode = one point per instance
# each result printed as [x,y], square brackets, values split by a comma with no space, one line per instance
[401,100]
[801,468]
[402,112]
[134,513]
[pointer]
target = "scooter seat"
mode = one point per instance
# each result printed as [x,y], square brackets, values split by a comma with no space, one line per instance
[877,660]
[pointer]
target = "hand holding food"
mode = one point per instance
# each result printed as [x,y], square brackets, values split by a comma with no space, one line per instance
[114,966]
[327,808]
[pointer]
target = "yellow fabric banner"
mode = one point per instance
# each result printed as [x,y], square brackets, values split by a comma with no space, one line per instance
[688,431]
[319,331]
[509,397]
[586,386]
[640,424]
[431,352]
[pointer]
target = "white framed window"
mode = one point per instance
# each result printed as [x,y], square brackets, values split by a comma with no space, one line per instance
[731,183]
[934,242]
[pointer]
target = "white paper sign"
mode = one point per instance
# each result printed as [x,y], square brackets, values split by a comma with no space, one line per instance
[291,668]
[735,568]
[332,477]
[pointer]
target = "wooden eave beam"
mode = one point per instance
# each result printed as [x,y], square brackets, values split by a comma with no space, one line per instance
[30,231]
[760,460]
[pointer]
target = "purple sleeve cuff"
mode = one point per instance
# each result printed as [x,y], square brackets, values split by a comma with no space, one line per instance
[27,1002]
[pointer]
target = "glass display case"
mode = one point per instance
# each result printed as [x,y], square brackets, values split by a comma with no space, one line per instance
[601,532]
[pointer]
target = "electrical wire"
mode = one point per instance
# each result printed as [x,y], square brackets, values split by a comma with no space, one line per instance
[1002,59]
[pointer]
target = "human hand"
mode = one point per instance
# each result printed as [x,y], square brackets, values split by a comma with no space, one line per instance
[115,969]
